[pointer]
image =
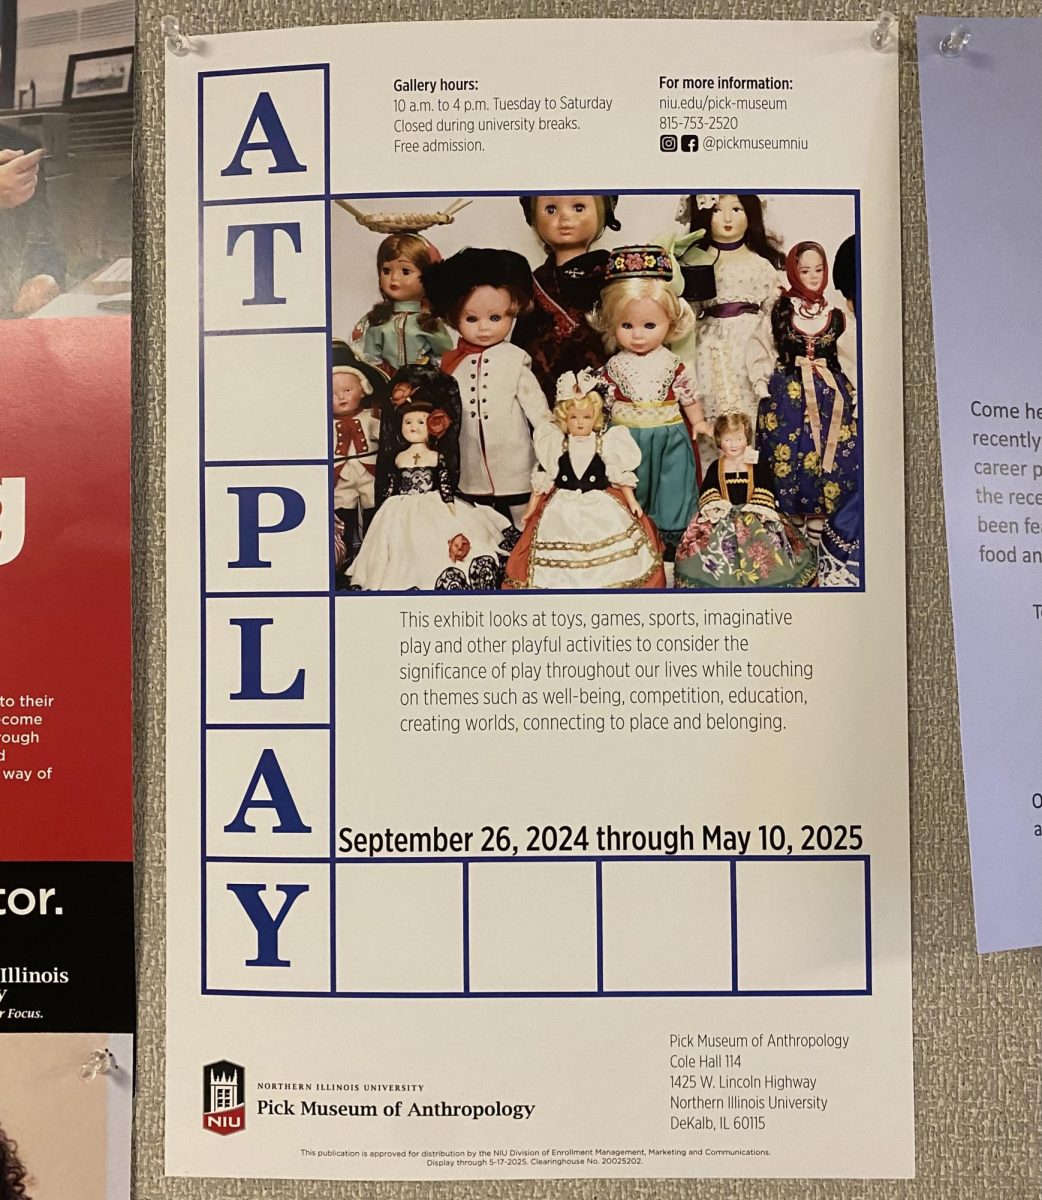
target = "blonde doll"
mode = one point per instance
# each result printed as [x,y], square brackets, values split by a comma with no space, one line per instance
[649,390]
[584,527]
[399,330]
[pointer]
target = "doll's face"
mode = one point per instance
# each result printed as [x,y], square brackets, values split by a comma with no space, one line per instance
[414,427]
[643,326]
[733,443]
[400,280]
[811,271]
[347,394]
[566,222]
[728,222]
[579,420]
[487,316]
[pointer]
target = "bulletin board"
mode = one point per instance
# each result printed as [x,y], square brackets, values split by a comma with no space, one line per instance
[977,1020]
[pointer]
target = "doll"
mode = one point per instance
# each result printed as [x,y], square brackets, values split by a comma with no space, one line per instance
[479,293]
[738,539]
[556,334]
[649,389]
[422,537]
[357,388]
[399,330]
[808,432]
[584,527]
[747,283]
[441,392]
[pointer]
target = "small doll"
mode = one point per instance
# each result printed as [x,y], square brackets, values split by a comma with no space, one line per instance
[399,330]
[808,430]
[479,293]
[731,373]
[357,387]
[441,392]
[423,538]
[649,389]
[738,539]
[584,527]
[555,333]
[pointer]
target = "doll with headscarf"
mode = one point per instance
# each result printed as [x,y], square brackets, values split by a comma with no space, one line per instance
[807,424]
[730,372]
[555,333]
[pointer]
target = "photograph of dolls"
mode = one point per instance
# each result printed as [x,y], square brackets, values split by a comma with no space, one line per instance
[596,392]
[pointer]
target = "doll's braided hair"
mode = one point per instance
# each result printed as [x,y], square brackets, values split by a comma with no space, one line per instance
[12,1173]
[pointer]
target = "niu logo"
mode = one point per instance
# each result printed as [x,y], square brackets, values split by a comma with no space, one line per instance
[224,1097]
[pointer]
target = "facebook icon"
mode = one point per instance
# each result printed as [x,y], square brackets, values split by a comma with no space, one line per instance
[689,142]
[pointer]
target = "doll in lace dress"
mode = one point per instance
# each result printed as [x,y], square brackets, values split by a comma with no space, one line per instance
[730,372]
[423,538]
[584,527]
[649,390]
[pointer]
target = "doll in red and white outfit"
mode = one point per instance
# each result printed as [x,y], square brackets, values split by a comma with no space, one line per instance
[357,388]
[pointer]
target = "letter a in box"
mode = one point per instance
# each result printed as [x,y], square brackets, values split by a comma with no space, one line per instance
[224,1097]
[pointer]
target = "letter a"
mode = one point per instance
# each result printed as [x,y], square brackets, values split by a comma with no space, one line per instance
[266,925]
[266,116]
[269,771]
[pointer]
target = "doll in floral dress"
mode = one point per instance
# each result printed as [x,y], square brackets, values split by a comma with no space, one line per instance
[738,539]
[808,427]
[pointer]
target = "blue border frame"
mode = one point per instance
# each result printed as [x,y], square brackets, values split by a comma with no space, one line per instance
[334,862]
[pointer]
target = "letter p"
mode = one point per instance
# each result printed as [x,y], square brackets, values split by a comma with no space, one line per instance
[250,526]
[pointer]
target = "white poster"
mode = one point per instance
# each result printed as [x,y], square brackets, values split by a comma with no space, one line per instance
[537,776]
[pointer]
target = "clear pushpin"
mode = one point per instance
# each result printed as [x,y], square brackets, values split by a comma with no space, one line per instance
[885,33]
[176,42]
[956,41]
[98,1062]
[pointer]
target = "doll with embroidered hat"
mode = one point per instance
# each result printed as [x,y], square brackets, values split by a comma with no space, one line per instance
[423,537]
[400,329]
[584,527]
[738,539]
[480,292]
[357,389]
[649,389]
[808,426]
[747,282]
[555,332]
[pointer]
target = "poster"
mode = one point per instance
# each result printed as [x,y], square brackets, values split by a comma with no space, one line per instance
[991,446]
[66,886]
[595,878]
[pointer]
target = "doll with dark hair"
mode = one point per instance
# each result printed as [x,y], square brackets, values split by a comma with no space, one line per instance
[12,1173]
[555,333]
[808,428]
[423,538]
[844,272]
[480,292]
[428,381]
[747,284]
[399,329]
